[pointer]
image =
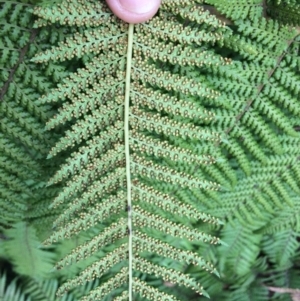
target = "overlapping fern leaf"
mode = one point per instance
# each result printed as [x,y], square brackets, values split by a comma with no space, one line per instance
[24,143]
[11,292]
[262,131]
[136,126]
[262,125]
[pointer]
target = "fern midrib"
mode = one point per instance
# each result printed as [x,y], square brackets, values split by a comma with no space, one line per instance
[127,152]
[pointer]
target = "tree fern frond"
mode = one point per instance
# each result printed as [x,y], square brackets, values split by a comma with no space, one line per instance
[123,297]
[98,144]
[114,204]
[265,107]
[72,13]
[285,219]
[149,292]
[254,292]
[144,219]
[144,194]
[145,243]
[110,235]
[95,177]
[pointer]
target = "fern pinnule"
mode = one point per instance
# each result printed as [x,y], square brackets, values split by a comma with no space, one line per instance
[112,284]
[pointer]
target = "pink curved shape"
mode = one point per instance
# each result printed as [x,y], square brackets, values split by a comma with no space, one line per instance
[134,11]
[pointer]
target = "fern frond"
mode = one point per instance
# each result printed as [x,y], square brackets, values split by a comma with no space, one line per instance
[98,125]
[23,139]
[144,243]
[281,247]
[264,105]
[96,269]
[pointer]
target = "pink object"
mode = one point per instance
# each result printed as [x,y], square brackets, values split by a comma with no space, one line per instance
[134,11]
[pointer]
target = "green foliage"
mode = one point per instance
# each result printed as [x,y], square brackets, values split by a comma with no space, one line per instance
[239,10]
[10,292]
[164,155]
[287,11]
[24,143]
[22,249]
[28,289]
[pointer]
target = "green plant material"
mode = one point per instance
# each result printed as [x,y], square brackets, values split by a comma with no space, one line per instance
[161,139]
[10,292]
[22,249]
[287,11]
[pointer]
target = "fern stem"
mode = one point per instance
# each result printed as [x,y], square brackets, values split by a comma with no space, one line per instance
[127,153]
